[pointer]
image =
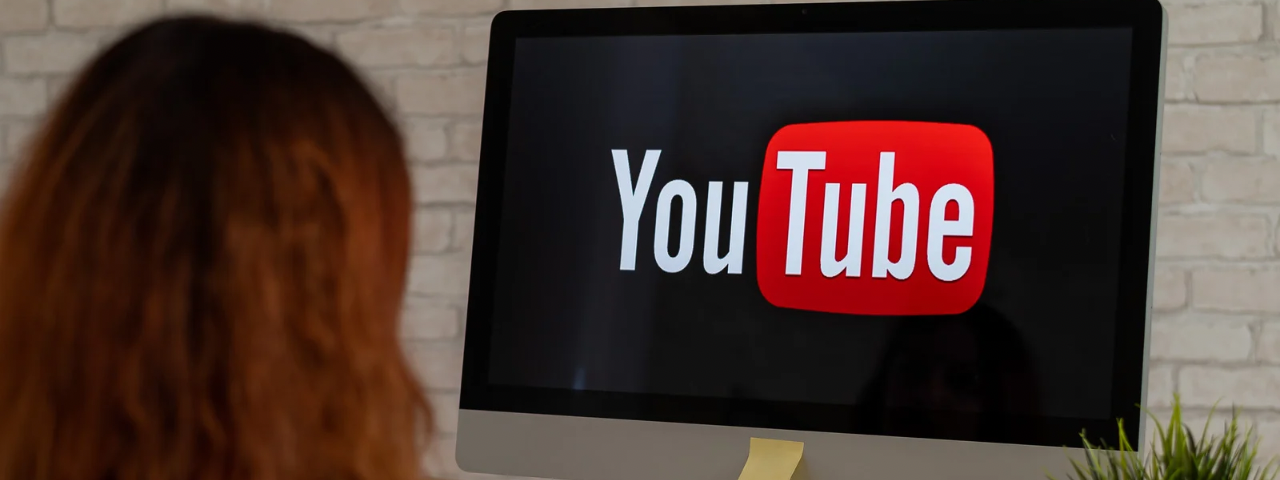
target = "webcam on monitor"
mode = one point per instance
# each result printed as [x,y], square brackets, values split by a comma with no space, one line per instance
[916,236]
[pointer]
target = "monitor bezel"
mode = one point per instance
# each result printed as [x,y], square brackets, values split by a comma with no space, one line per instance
[1144,17]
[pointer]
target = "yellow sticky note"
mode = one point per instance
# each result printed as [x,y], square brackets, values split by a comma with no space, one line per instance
[772,459]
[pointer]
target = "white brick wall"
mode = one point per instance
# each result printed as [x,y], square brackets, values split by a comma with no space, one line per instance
[1217,327]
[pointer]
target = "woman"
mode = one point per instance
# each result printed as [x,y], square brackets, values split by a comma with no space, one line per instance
[203,261]
[964,377]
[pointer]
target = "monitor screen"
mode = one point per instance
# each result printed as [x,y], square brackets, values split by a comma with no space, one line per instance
[921,229]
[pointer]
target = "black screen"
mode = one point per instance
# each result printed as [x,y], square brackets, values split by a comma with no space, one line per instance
[1040,340]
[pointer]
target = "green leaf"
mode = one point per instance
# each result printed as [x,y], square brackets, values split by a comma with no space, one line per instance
[1178,453]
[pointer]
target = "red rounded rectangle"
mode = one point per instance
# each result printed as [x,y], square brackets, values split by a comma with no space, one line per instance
[912,201]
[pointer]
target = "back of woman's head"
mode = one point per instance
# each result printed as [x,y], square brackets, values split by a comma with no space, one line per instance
[202,260]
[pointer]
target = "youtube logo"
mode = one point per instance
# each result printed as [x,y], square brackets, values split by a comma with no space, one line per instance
[860,218]
[875,218]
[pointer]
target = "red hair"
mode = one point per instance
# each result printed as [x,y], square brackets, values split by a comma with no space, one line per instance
[204,257]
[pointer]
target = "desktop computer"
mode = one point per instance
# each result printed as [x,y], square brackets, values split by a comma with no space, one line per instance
[916,236]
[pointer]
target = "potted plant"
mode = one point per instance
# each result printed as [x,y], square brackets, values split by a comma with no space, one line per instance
[1177,453]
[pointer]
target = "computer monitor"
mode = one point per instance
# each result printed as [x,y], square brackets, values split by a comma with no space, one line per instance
[916,236]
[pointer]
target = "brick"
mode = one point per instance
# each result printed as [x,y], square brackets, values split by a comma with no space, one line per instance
[1177,183]
[318,35]
[400,47]
[1214,24]
[446,93]
[1249,182]
[1175,77]
[1202,337]
[475,43]
[432,230]
[465,143]
[99,13]
[16,138]
[546,4]
[1268,433]
[330,10]
[383,85]
[464,225]
[445,183]
[438,366]
[440,274]
[428,319]
[1206,129]
[47,54]
[23,15]
[1213,235]
[1269,343]
[1169,289]
[1238,289]
[1248,387]
[450,7]
[228,7]
[1160,386]
[426,139]
[444,407]
[1237,79]
[22,96]
[1271,132]
[55,86]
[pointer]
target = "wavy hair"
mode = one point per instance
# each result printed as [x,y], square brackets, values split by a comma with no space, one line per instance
[202,263]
